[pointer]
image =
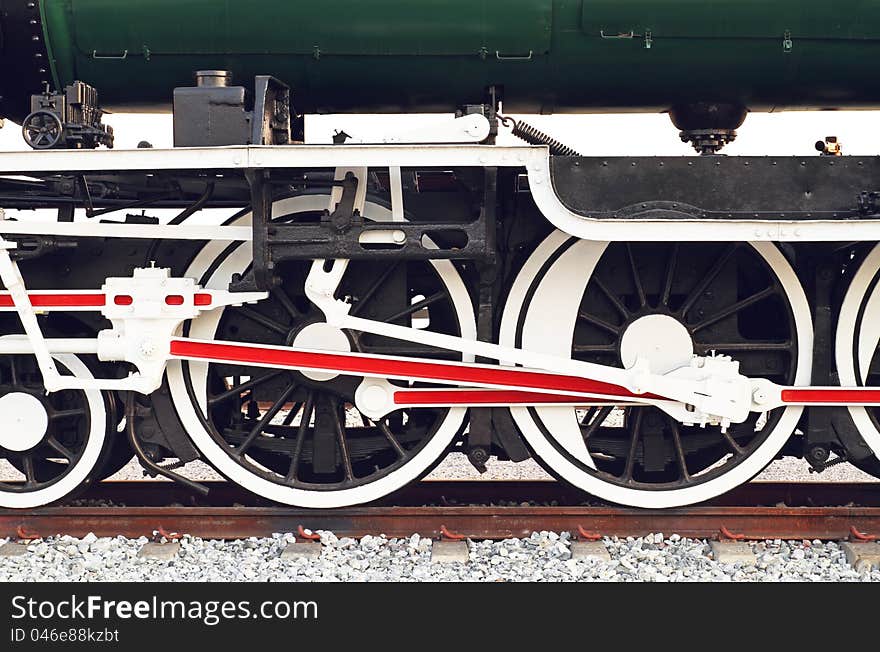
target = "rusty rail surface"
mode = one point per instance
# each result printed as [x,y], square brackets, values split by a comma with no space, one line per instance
[479,510]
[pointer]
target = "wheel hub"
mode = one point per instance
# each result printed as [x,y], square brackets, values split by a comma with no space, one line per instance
[322,337]
[661,339]
[27,423]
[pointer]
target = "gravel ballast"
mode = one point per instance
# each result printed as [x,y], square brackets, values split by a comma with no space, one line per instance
[457,467]
[545,556]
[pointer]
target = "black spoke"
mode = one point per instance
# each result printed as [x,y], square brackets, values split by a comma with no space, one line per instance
[339,427]
[635,435]
[383,427]
[273,411]
[670,276]
[613,298]
[66,414]
[679,449]
[263,320]
[735,308]
[61,448]
[414,308]
[751,346]
[29,472]
[637,282]
[593,426]
[238,390]
[365,298]
[292,414]
[599,323]
[285,300]
[308,408]
[595,348]
[738,450]
[588,417]
[707,280]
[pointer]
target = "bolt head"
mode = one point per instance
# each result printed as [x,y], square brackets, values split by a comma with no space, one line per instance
[148,348]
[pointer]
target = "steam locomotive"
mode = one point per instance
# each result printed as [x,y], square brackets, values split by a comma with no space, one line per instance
[324,323]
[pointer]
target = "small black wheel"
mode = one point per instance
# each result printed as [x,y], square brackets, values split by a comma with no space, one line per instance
[42,130]
[52,442]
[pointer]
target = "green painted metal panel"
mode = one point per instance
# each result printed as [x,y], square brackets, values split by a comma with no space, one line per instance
[434,55]
[56,18]
[318,28]
[803,19]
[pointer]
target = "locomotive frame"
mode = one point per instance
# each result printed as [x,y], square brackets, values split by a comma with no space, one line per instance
[515,193]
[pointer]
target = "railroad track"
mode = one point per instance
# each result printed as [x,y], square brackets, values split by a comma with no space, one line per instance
[480,510]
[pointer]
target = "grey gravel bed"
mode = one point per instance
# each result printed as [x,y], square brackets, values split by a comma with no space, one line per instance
[457,467]
[543,557]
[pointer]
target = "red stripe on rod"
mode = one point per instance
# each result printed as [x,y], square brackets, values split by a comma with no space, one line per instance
[94,300]
[380,366]
[58,301]
[486,397]
[831,395]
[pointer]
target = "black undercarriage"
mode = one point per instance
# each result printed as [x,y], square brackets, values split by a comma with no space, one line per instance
[485,221]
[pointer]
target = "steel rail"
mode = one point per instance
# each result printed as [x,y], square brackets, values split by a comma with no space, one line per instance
[478,510]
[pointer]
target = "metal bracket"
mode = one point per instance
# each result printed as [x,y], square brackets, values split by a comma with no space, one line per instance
[12,279]
[273,113]
[514,57]
[616,37]
[787,43]
[345,215]
[261,215]
[470,128]
[344,234]
[146,310]
[118,57]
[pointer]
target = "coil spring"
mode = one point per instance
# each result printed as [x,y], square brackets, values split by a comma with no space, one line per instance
[171,466]
[842,459]
[533,136]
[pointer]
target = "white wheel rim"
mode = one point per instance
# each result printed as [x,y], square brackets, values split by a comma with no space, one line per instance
[574,268]
[205,327]
[851,346]
[84,465]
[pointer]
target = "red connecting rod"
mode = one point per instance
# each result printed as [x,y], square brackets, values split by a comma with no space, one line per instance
[484,384]
[527,386]
[501,385]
